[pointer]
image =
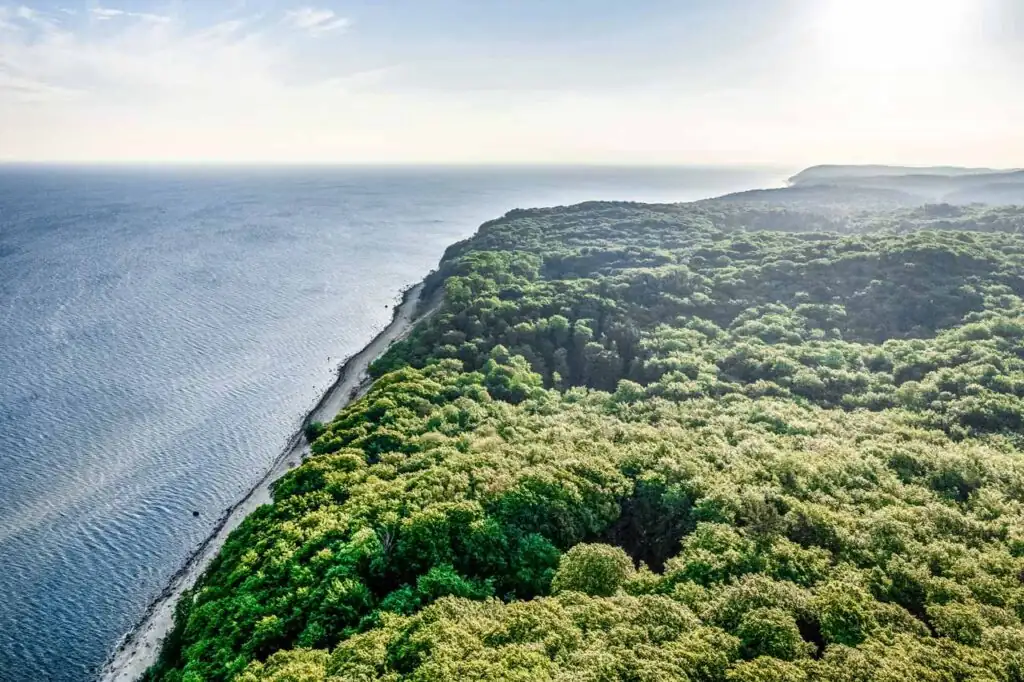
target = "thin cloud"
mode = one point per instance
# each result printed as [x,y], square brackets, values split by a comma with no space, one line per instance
[27,16]
[104,13]
[316,21]
[108,13]
[149,63]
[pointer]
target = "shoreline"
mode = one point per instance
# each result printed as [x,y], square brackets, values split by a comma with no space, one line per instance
[140,647]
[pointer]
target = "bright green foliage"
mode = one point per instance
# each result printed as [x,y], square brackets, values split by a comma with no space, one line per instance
[766,669]
[641,443]
[770,632]
[846,613]
[597,570]
[569,637]
[299,665]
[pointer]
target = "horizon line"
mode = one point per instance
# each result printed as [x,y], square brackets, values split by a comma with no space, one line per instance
[391,164]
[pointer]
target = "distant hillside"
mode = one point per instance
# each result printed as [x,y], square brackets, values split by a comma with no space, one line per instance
[990,193]
[818,174]
[935,185]
[823,198]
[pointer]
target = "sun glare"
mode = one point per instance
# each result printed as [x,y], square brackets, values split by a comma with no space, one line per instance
[892,34]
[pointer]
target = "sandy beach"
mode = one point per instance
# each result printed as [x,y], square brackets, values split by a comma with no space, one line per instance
[140,647]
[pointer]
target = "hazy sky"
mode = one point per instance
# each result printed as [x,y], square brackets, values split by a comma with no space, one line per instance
[643,81]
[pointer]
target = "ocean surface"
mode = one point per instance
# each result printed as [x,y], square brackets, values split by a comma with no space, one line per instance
[164,330]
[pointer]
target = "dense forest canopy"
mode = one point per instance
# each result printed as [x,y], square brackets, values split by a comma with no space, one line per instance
[745,439]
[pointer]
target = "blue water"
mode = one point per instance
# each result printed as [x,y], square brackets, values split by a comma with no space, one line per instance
[162,333]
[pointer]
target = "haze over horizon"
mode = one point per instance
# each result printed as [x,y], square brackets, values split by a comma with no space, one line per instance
[788,82]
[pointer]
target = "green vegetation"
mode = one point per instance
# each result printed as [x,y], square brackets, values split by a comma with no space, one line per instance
[314,430]
[721,441]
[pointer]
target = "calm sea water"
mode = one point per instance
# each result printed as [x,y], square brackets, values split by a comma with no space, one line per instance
[163,331]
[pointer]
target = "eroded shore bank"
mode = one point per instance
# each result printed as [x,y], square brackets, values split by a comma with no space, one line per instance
[139,649]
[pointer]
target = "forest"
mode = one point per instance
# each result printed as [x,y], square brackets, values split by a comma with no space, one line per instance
[771,437]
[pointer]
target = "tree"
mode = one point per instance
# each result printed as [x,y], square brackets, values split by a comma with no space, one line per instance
[597,570]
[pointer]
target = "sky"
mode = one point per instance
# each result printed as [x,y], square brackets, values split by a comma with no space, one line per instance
[792,82]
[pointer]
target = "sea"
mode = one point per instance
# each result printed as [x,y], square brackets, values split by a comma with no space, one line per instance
[163,331]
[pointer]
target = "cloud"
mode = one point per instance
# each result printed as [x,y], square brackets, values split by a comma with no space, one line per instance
[316,21]
[17,18]
[153,69]
[107,13]
[140,57]
[104,13]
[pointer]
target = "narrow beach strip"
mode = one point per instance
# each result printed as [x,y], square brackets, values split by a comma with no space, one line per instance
[139,649]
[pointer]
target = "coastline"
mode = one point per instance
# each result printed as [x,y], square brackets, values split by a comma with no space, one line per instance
[139,648]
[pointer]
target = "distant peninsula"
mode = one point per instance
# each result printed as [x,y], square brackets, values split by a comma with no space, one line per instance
[824,173]
[935,184]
